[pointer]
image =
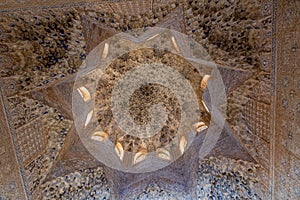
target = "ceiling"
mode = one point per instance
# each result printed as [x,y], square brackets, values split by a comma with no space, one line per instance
[43,47]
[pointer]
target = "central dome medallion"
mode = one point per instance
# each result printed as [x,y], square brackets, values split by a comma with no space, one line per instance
[137,101]
[143,99]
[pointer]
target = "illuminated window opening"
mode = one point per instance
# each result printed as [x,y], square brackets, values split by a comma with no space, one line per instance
[163,153]
[204,81]
[200,126]
[175,44]
[100,136]
[105,50]
[119,150]
[140,156]
[88,118]
[182,144]
[84,93]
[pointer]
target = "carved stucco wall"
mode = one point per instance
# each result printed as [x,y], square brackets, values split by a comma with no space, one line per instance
[11,181]
[39,132]
[286,138]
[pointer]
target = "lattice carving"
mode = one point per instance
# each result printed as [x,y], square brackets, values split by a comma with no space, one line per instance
[257,117]
[37,170]
[31,140]
[249,113]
